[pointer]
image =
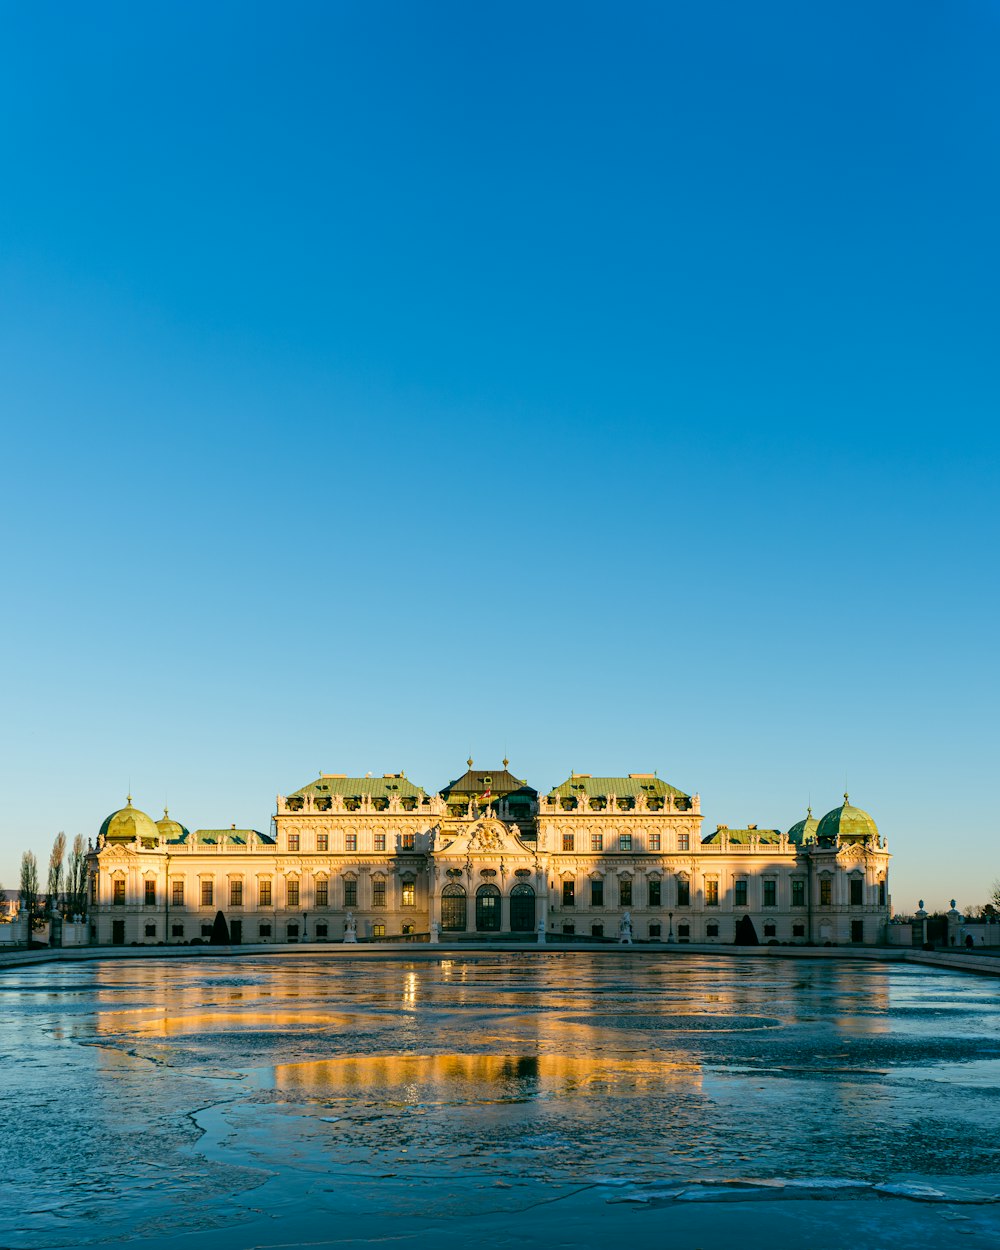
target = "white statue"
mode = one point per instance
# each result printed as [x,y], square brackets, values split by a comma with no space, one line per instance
[351,928]
[435,932]
[625,930]
[541,932]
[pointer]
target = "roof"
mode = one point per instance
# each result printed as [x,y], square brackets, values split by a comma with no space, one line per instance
[129,823]
[743,837]
[622,787]
[213,837]
[384,786]
[847,822]
[804,831]
[500,781]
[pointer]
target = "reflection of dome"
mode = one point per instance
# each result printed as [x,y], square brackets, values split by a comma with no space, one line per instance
[170,829]
[846,822]
[804,831]
[127,824]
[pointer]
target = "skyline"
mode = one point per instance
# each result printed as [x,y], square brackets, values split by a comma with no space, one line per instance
[614,394]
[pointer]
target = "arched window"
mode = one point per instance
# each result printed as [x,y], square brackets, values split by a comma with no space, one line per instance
[488,909]
[522,909]
[453,908]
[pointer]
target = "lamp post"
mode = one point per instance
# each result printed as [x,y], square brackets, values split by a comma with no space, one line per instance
[670,929]
[305,917]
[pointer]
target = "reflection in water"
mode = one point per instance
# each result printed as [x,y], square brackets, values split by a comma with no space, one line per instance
[173,1087]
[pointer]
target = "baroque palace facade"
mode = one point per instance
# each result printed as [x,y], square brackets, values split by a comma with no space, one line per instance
[380,857]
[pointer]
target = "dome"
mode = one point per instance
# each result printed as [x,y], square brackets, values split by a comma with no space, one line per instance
[804,831]
[846,822]
[172,830]
[128,823]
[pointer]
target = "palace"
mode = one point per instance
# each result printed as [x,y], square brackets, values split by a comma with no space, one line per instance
[373,858]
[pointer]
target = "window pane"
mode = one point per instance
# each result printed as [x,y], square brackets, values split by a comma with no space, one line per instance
[207,893]
[265,894]
[293,893]
[378,893]
[740,893]
[624,841]
[654,841]
[597,893]
[569,893]
[654,893]
[409,894]
[322,842]
[293,841]
[684,842]
[350,894]
[625,892]
[597,841]
[380,841]
[567,842]
[770,893]
[683,892]
[322,893]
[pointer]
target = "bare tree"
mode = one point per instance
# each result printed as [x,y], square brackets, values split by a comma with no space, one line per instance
[54,888]
[29,889]
[995,894]
[76,878]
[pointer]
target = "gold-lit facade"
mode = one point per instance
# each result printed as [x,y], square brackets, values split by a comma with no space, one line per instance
[488,856]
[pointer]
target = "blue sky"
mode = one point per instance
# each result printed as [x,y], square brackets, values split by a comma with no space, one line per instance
[611,386]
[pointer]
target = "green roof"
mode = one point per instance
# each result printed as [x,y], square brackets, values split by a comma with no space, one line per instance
[846,822]
[803,831]
[213,837]
[743,837]
[621,787]
[383,787]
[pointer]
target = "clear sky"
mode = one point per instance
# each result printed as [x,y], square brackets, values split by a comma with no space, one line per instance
[613,386]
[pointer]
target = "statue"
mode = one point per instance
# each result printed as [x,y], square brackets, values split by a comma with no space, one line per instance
[625,930]
[541,932]
[351,928]
[435,932]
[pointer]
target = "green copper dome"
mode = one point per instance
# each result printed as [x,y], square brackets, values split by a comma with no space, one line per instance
[804,831]
[846,822]
[127,824]
[172,830]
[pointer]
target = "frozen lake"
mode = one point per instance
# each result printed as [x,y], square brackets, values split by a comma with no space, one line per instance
[550,1098]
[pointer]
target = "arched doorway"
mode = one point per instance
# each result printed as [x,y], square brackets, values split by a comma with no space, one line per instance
[522,909]
[453,909]
[488,909]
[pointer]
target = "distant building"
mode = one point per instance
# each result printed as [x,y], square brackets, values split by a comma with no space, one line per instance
[489,855]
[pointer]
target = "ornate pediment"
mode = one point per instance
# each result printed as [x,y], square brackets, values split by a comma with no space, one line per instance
[486,837]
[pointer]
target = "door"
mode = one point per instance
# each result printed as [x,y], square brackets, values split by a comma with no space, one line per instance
[118,933]
[235,932]
[487,909]
[522,909]
[453,909]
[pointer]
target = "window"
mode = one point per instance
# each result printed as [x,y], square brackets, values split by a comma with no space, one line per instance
[206,930]
[597,841]
[177,930]
[769,929]
[236,894]
[406,841]
[654,892]
[93,888]
[177,894]
[857,930]
[881,893]
[293,841]
[292,893]
[624,841]
[625,892]
[712,930]
[350,893]
[380,841]
[322,930]
[654,841]
[322,841]
[740,892]
[322,892]
[567,841]
[597,930]
[265,893]
[683,892]
[825,891]
[798,894]
[683,932]
[408,930]
[409,894]
[655,930]
[770,893]
[684,842]
[378,892]
[378,930]
[597,893]
[150,930]
[857,891]
[569,893]
[207,893]
[569,928]
[264,930]
[711,892]
[149,893]
[798,930]
[350,841]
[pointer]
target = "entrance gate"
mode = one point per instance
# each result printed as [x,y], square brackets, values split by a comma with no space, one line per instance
[488,909]
[522,909]
[453,909]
